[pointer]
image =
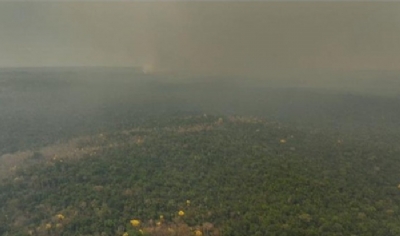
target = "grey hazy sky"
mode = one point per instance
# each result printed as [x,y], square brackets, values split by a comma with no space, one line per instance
[202,37]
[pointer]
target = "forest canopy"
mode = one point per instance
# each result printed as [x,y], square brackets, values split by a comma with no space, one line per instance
[207,175]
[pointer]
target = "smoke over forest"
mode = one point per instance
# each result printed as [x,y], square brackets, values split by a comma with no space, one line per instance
[199,118]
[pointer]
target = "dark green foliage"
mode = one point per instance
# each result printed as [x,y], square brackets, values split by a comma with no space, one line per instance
[237,175]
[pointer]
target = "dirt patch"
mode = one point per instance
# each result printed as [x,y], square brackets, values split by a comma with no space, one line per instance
[10,162]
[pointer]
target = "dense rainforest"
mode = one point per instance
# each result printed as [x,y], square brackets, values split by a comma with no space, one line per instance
[199,118]
[206,175]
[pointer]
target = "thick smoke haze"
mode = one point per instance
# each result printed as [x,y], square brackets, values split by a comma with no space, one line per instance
[209,38]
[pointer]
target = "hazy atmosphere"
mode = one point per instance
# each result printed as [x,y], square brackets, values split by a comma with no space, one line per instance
[203,37]
[199,118]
